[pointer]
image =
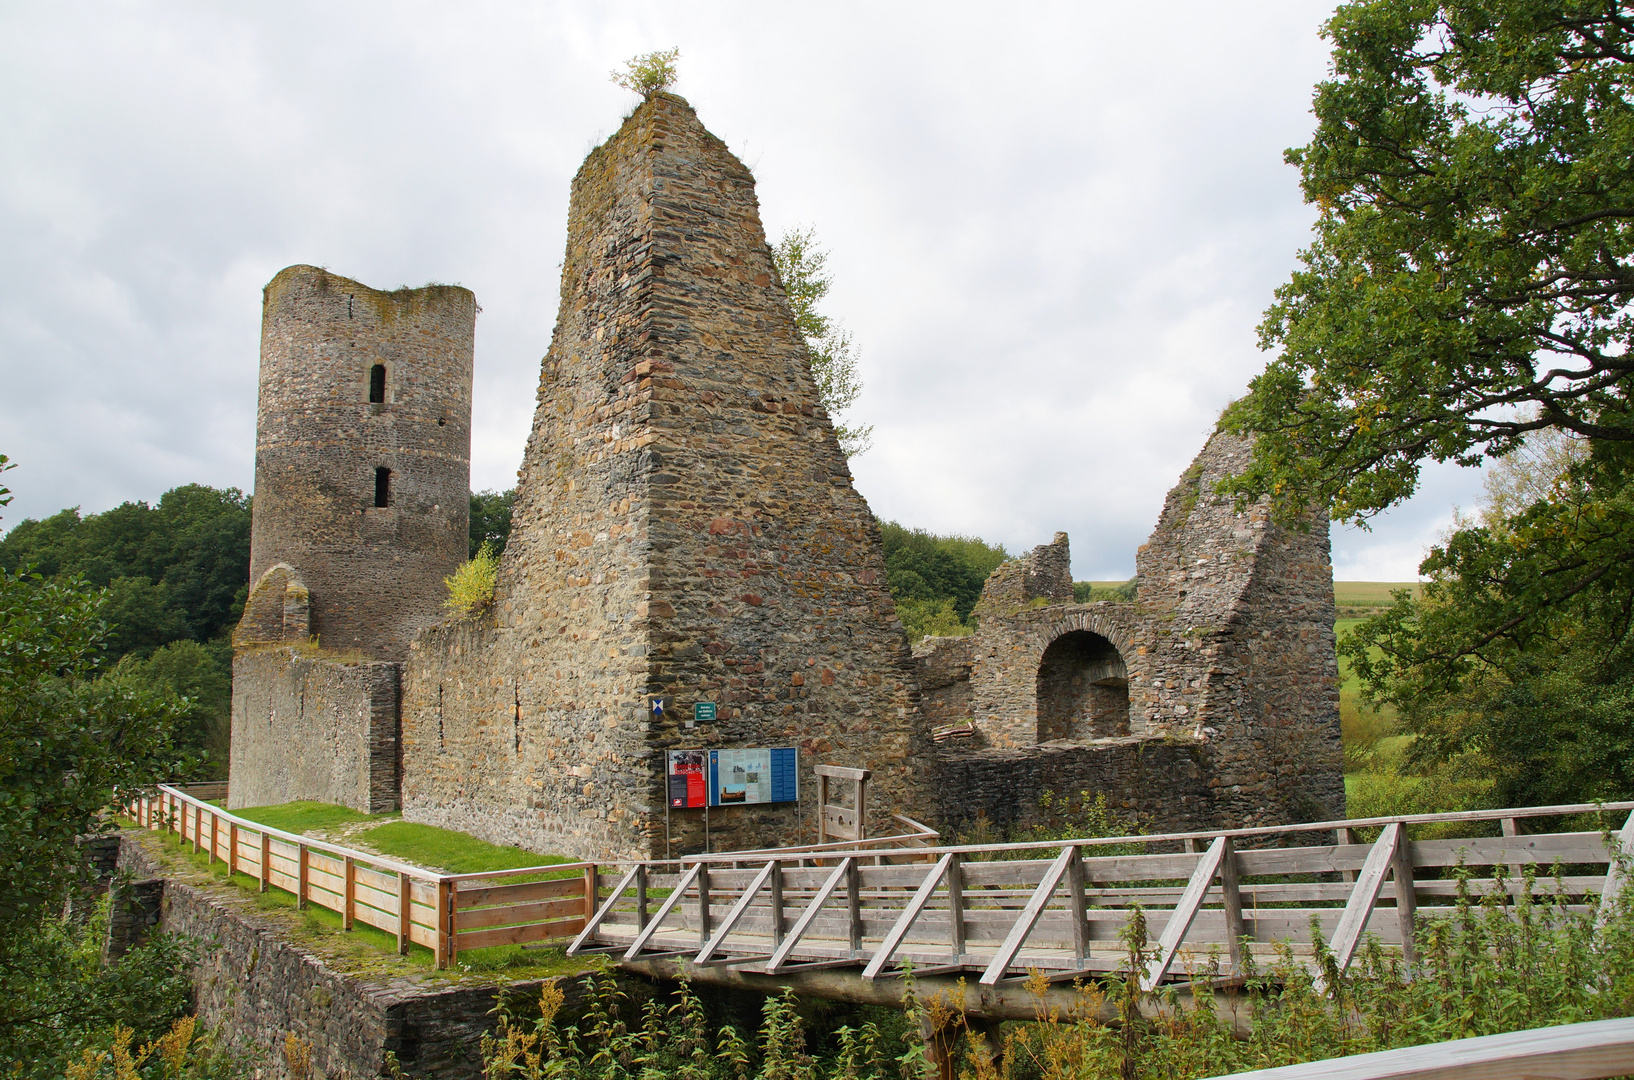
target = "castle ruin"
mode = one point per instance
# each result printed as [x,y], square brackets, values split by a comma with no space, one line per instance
[686,531]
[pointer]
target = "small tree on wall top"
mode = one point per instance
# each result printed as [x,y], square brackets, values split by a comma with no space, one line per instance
[649,73]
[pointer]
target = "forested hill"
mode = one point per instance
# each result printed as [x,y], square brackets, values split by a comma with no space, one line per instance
[177,574]
[936,580]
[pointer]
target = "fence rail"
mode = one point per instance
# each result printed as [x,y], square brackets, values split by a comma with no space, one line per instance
[886,902]
[1591,1051]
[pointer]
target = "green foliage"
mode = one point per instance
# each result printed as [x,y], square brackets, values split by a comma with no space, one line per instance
[58,999]
[178,570]
[1060,817]
[491,520]
[930,618]
[68,741]
[1468,297]
[800,267]
[471,587]
[199,675]
[648,73]
[1472,250]
[1089,592]
[928,572]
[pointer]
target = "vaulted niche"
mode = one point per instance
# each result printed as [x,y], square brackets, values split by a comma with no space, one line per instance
[1083,689]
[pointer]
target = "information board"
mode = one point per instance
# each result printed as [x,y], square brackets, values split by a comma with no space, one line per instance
[687,778]
[754,775]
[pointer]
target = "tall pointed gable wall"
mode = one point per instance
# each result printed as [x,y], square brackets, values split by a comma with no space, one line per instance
[685,527]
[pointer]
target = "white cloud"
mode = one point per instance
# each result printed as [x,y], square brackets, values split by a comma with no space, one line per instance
[1052,232]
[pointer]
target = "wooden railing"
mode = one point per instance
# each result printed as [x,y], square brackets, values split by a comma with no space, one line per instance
[998,909]
[444,912]
[889,901]
[1591,1051]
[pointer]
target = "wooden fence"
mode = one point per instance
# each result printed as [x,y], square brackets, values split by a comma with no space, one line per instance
[447,913]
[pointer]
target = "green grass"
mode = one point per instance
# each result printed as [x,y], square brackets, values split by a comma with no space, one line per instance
[306,817]
[454,852]
[1369,594]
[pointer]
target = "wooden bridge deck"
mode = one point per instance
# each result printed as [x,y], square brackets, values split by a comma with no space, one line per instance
[998,912]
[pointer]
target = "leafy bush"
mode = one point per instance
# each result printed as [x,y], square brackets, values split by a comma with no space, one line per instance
[471,587]
[648,73]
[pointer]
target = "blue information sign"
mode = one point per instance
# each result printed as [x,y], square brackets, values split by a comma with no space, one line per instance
[754,775]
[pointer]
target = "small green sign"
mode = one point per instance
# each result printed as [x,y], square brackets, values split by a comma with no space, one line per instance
[704,712]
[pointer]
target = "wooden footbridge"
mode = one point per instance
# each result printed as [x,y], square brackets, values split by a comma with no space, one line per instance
[995,912]
[858,913]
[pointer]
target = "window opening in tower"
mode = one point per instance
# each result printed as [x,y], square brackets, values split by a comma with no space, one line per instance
[382,487]
[377,384]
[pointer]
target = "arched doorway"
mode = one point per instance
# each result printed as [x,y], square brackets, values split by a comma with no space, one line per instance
[1083,689]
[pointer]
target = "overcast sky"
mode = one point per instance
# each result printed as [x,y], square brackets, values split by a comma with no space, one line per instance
[1052,227]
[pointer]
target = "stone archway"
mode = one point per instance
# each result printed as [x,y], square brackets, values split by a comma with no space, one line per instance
[1083,688]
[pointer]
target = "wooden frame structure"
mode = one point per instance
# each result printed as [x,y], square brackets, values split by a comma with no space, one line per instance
[833,819]
[881,904]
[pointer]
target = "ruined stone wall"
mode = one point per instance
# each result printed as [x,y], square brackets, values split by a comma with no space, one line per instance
[375,574]
[1242,615]
[685,526]
[1161,783]
[1227,648]
[306,727]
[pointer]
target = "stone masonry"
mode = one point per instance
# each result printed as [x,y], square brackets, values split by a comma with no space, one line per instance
[1224,662]
[686,531]
[685,527]
[362,480]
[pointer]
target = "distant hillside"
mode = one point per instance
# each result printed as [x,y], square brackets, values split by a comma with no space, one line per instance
[1357,599]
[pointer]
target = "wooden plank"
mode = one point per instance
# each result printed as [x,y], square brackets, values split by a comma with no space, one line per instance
[1401,870]
[1616,874]
[405,914]
[714,943]
[1589,1051]
[265,871]
[301,877]
[446,921]
[377,879]
[366,894]
[842,772]
[1075,907]
[482,896]
[1184,913]
[518,935]
[664,909]
[511,914]
[780,955]
[603,911]
[956,907]
[1029,916]
[332,866]
[1360,906]
[905,921]
[1231,907]
[703,915]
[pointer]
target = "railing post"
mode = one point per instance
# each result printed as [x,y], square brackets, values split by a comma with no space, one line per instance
[703,904]
[853,905]
[198,827]
[445,923]
[215,823]
[1076,908]
[1232,902]
[592,890]
[404,906]
[266,860]
[641,898]
[777,903]
[232,848]
[956,906]
[1401,865]
[300,876]
[1510,826]
[1345,836]
[348,903]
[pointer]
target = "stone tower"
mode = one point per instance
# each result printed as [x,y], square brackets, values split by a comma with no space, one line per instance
[685,526]
[362,508]
[363,452]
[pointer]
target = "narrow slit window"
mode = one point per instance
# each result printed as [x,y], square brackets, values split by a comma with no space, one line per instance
[382,487]
[377,384]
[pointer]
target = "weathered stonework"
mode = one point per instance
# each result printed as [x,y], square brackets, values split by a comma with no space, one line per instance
[362,481]
[1228,648]
[685,526]
[307,727]
[257,982]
